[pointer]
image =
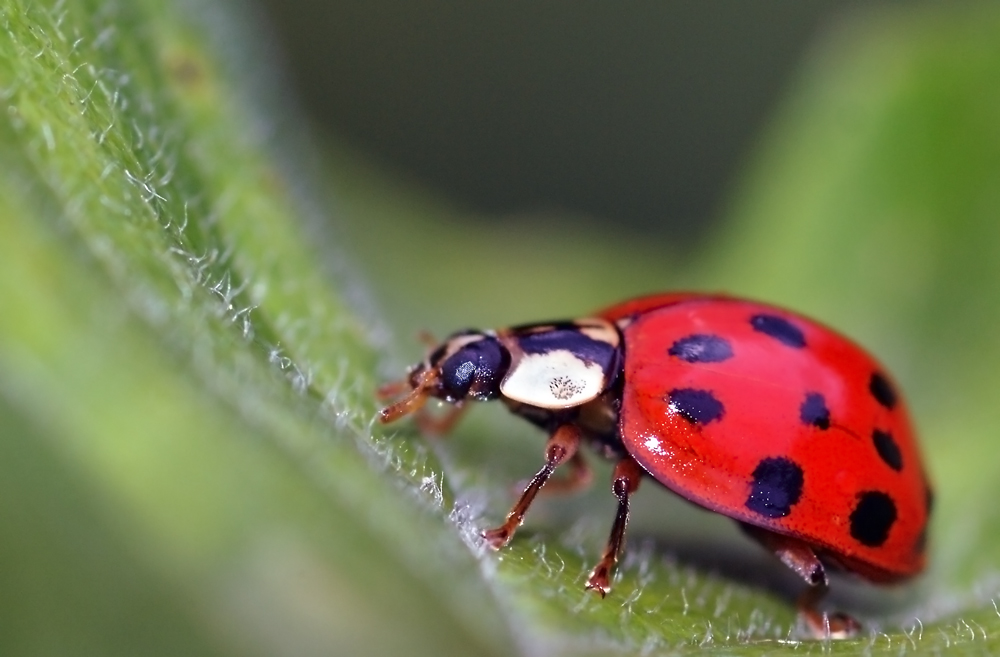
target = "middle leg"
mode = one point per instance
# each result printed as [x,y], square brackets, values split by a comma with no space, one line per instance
[625,480]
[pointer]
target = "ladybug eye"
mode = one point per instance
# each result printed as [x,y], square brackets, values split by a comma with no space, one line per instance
[474,370]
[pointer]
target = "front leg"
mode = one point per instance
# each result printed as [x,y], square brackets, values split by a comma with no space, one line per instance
[562,446]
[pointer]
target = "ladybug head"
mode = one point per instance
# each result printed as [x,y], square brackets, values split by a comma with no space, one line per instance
[468,364]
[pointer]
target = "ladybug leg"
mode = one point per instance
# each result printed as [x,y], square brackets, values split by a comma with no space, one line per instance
[823,625]
[625,482]
[392,389]
[801,558]
[579,477]
[415,397]
[412,402]
[562,446]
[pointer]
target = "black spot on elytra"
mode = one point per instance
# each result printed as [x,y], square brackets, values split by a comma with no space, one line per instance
[780,329]
[872,518]
[887,449]
[701,348]
[696,406]
[882,390]
[777,486]
[814,411]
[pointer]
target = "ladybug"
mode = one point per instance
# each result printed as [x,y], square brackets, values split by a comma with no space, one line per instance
[745,409]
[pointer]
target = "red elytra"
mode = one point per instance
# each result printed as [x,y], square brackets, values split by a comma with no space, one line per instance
[765,387]
[746,409]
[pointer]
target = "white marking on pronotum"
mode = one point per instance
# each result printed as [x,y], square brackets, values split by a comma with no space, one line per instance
[555,379]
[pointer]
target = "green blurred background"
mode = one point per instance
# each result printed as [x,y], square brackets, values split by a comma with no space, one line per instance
[640,117]
[561,121]
[223,224]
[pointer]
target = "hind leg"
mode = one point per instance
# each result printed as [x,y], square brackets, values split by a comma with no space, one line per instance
[801,558]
